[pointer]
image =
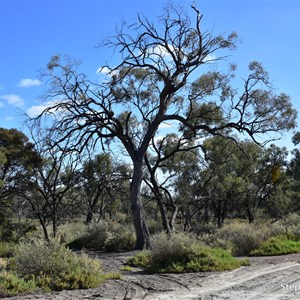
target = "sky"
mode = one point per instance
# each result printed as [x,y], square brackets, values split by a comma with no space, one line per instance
[31,31]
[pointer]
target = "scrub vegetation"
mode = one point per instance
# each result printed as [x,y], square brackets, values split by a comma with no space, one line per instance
[98,170]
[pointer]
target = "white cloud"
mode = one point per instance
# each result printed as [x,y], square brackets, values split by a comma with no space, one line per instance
[166,125]
[107,71]
[36,110]
[210,58]
[14,100]
[162,51]
[103,70]
[28,82]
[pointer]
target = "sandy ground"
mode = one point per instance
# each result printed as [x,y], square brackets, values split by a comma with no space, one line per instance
[267,278]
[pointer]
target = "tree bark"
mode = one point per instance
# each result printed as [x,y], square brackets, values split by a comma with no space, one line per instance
[173,217]
[142,232]
[250,214]
[89,217]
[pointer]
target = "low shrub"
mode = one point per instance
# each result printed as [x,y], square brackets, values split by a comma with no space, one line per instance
[93,238]
[242,238]
[290,224]
[291,220]
[3,263]
[278,246]
[180,253]
[126,268]
[167,249]
[120,238]
[214,241]
[12,231]
[6,249]
[103,236]
[154,226]
[70,231]
[203,229]
[54,267]
[11,284]
[140,259]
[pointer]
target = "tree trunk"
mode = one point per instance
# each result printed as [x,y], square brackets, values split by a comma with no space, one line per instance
[89,217]
[163,214]
[142,233]
[43,224]
[46,235]
[41,220]
[250,214]
[173,217]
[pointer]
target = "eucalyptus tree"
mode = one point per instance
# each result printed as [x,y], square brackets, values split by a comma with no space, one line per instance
[171,156]
[241,178]
[163,76]
[18,157]
[293,173]
[96,175]
[103,184]
[48,189]
[294,167]
[2,162]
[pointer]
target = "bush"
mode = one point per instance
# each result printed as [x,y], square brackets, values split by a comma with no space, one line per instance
[154,226]
[103,236]
[290,224]
[11,284]
[53,267]
[140,259]
[70,231]
[181,253]
[3,263]
[203,229]
[6,249]
[93,238]
[242,238]
[278,246]
[14,230]
[120,238]
[167,249]
[291,220]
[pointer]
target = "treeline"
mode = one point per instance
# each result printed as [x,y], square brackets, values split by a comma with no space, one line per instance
[182,190]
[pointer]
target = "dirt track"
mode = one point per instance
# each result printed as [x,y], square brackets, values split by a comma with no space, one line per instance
[266,278]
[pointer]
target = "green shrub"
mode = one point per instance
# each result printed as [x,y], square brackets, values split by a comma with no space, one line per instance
[70,231]
[6,249]
[126,268]
[12,231]
[243,237]
[93,238]
[112,237]
[120,238]
[290,220]
[276,229]
[212,240]
[3,263]
[11,284]
[290,224]
[140,259]
[154,226]
[54,267]
[278,246]
[167,249]
[181,253]
[203,229]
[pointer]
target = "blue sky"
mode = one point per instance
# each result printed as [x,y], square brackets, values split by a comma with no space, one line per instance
[31,31]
